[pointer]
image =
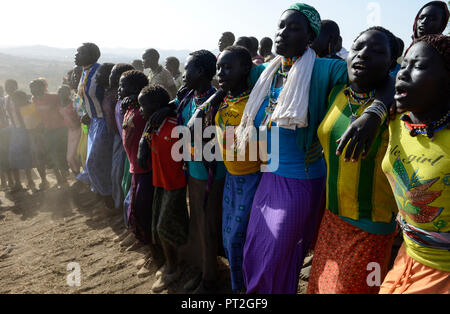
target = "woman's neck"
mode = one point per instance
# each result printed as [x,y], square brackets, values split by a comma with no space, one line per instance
[239,89]
[202,88]
[438,112]
[361,89]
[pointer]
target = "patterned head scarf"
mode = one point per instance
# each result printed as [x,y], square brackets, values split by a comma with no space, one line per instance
[311,14]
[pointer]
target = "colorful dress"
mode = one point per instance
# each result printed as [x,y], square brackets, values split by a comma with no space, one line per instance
[418,170]
[97,170]
[241,180]
[359,223]
[139,216]
[285,210]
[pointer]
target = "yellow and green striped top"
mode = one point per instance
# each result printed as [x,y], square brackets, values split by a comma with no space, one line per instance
[356,191]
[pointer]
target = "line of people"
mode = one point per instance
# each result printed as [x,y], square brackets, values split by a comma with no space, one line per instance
[347,176]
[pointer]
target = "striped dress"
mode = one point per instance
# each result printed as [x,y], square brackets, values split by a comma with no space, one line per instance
[358,227]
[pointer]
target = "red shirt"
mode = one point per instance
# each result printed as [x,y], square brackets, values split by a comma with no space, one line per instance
[167,173]
[133,127]
[48,108]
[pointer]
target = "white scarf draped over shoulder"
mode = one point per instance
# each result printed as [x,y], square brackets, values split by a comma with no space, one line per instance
[291,111]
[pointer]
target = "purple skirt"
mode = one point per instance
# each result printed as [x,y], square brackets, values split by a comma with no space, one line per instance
[282,225]
[140,210]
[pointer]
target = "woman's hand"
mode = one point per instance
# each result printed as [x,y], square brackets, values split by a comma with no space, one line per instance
[359,137]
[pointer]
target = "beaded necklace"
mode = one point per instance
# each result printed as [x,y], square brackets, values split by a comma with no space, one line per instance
[426,128]
[361,99]
[198,100]
[229,100]
[272,96]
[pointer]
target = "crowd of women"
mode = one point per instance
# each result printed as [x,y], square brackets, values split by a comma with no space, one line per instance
[362,150]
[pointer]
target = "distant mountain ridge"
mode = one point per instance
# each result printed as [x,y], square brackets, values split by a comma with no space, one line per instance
[108,54]
[30,62]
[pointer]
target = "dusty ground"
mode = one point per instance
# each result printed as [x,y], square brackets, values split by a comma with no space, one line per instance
[41,233]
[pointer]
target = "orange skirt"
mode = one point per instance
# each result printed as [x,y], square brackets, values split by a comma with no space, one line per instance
[343,256]
[408,276]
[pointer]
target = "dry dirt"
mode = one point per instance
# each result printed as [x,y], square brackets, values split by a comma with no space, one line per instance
[41,233]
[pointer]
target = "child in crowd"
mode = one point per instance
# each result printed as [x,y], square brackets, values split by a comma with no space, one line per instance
[55,132]
[139,213]
[72,122]
[205,207]
[125,184]
[31,121]
[170,216]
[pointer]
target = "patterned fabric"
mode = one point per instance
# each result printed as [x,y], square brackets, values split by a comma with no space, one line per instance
[139,216]
[411,277]
[418,170]
[230,114]
[90,93]
[342,255]
[355,190]
[238,195]
[311,14]
[170,217]
[283,221]
[97,170]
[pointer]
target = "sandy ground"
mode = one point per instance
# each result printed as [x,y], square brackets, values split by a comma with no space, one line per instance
[41,233]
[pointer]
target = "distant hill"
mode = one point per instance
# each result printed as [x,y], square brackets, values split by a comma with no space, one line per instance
[27,63]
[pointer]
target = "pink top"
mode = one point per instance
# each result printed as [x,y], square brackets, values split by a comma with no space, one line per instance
[133,127]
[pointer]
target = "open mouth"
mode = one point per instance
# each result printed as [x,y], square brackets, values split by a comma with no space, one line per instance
[400,93]
[359,67]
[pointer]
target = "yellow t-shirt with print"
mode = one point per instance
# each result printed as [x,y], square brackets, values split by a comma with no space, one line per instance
[230,115]
[418,170]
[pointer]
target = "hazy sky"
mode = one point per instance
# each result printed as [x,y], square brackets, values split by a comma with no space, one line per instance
[182,24]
